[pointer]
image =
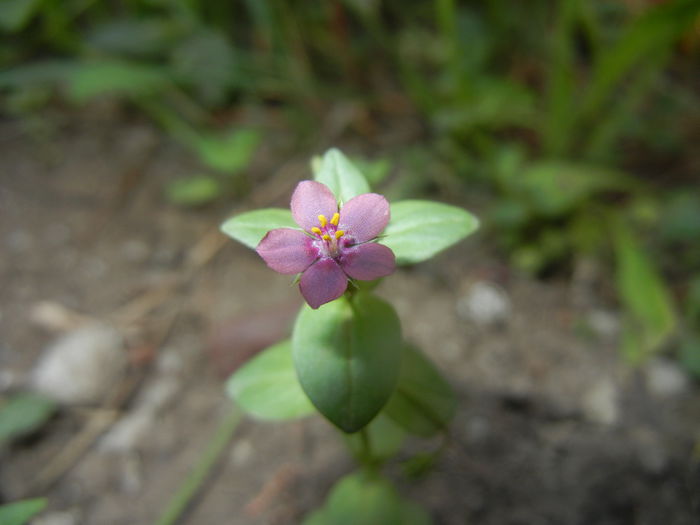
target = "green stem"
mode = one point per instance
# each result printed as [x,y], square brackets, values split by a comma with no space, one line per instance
[193,483]
[366,456]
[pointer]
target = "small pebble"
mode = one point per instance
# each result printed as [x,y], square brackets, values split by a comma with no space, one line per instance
[135,251]
[63,517]
[600,403]
[484,303]
[665,378]
[604,323]
[19,241]
[242,452]
[82,366]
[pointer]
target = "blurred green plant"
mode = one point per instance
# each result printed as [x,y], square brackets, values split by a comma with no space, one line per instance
[20,512]
[541,125]
[23,414]
[558,108]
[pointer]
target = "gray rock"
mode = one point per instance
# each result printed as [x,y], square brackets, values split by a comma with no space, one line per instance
[665,378]
[484,303]
[82,366]
[604,323]
[600,402]
[63,517]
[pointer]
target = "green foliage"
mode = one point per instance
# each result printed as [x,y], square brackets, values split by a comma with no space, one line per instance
[552,189]
[194,191]
[249,228]
[133,36]
[347,355]
[20,512]
[418,230]
[92,79]
[206,62]
[229,153]
[367,499]
[571,85]
[267,387]
[15,14]
[384,440]
[341,176]
[689,354]
[423,403]
[650,314]
[375,171]
[23,414]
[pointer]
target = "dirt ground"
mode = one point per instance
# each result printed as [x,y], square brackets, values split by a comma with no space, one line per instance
[552,428]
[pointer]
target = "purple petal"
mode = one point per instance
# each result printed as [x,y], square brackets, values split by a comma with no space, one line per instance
[323,282]
[311,199]
[364,217]
[287,251]
[369,261]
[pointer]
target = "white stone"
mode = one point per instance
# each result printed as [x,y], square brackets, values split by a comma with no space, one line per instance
[130,431]
[604,323]
[600,402]
[82,366]
[665,379]
[484,303]
[57,518]
[242,452]
[135,251]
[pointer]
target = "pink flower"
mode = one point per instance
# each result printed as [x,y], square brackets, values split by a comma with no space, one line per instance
[334,245]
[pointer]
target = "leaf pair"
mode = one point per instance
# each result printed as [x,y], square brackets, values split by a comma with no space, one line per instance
[351,363]
[417,231]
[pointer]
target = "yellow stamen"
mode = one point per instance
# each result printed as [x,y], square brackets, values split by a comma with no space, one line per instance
[316,230]
[322,219]
[335,219]
[326,237]
[339,234]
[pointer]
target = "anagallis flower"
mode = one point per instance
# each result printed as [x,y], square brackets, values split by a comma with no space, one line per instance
[332,245]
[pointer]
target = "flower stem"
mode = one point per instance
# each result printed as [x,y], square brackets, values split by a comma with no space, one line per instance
[367,458]
[193,482]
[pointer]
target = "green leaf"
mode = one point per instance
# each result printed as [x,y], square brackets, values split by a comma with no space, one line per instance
[206,61]
[20,512]
[193,191]
[231,152]
[249,228]
[420,229]
[40,73]
[341,176]
[692,301]
[135,36]
[347,355]
[367,499]
[423,403]
[689,354]
[15,14]
[385,439]
[375,171]
[650,318]
[555,188]
[23,414]
[267,386]
[129,79]
[647,39]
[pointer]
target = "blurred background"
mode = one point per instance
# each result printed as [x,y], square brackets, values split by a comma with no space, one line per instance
[569,326]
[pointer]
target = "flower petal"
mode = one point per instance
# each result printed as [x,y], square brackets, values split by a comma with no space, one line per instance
[311,199]
[364,217]
[287,251]
[368,261]
[323,282]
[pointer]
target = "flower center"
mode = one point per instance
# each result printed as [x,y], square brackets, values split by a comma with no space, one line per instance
[328,233]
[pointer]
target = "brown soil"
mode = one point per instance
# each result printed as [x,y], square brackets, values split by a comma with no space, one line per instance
[84,225]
